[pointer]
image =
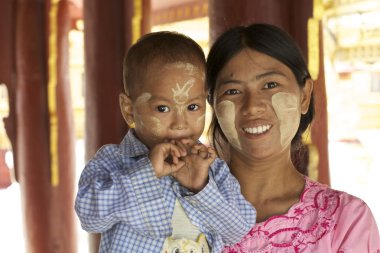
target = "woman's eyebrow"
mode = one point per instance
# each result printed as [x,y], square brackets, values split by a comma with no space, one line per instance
[270,73]
[227,80]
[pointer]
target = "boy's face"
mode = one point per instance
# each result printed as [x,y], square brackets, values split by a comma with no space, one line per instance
[170,104]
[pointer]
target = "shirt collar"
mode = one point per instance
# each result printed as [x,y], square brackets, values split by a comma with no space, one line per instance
[131,146]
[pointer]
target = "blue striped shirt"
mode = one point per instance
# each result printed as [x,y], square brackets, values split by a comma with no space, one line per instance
[120,197]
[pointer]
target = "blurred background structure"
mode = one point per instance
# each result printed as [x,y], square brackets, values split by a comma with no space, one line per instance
[61,73]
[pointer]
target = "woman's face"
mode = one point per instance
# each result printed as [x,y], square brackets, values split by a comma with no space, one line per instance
[258,104]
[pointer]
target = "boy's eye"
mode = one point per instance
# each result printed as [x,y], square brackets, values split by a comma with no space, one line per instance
[193,107]
[162,108]
[232,92]
[270,85]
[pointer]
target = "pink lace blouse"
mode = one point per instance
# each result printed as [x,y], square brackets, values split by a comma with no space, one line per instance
[324,221]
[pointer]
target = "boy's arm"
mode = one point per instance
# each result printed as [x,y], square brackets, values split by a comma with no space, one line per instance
[223,208]
[109,193]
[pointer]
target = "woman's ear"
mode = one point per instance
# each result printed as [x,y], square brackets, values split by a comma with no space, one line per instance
[126,108]
[306,95]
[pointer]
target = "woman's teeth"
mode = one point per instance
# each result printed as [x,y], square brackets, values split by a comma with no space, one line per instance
[257,130]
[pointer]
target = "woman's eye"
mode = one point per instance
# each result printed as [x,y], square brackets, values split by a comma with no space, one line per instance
[162,108]
[232,92]
[270,85]
[193,107]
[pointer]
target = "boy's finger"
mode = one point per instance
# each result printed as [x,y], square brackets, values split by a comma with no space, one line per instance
[211,153]
[201,150]
[187,142]
[174,168]
[182,147]
[194,150]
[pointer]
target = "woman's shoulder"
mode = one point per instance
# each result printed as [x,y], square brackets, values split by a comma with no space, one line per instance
[324,198]
[320,201]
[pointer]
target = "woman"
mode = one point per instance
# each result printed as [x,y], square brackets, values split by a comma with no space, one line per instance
[262,95]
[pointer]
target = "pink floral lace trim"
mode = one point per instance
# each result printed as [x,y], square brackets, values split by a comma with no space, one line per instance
[303,226]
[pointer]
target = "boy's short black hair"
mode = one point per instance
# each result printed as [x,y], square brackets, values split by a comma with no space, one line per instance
[158,47]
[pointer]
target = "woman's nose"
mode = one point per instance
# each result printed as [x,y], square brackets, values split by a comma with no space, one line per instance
[253,104]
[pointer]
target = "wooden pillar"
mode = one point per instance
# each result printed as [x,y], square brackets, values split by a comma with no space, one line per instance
[292,16]
[228,13]
[319,130]
[110,28]
[7,71]
[47,206]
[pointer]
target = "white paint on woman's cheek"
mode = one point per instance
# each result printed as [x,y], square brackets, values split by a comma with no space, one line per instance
[286,106]
[225,112]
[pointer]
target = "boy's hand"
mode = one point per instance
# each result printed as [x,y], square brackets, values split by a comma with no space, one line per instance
[165,158]
[194,174]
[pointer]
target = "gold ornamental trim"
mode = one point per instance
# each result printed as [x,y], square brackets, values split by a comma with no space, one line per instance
[52,91]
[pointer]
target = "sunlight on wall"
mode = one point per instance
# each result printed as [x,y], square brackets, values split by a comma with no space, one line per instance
[352,70]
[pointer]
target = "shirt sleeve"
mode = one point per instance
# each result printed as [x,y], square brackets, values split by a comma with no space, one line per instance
[224,210]
[112,191]
[356,229]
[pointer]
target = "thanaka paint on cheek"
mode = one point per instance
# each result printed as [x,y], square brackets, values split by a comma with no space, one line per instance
[200,121]
[152,122]
[288,112]
[225,111]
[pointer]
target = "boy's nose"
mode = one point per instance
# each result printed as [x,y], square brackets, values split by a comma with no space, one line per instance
[179,120]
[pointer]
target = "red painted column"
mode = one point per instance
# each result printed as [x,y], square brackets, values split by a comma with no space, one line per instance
[48,209]
[292,16]
[319,130]
[7,69]
[228,13]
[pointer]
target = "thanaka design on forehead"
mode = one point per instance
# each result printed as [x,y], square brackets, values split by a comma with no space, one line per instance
[190,68]
[181,95]
[287,109]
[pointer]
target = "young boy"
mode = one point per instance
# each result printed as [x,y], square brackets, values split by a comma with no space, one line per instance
[155,191]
